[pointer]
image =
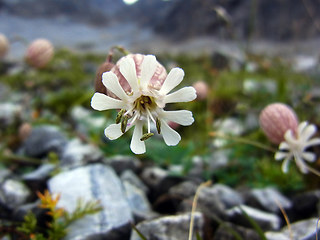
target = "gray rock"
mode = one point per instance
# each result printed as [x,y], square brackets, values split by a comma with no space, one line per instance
[91,183]
[170,227]
[197,167]
[37,179]
[301,230]
[208,202]
[268,199]
[40,173]
[42,140]
[184,190]
[306,204]
[138,202]
[266,221]
[121,163]
[4,173]
[14,193]
[219,159]
[77,154]
[131,177]
[229,197]
[223,232]
[152,176]
[8,113]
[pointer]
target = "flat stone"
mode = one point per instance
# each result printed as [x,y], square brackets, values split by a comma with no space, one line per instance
[301,230]
[14,193]
[77,154]
[267,221]
[121,163]
[8,113]
[267,199]
[174,227]
[95,182]
[42,140]
[131,177]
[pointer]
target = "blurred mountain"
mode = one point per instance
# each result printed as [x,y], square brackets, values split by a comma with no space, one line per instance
[182,19]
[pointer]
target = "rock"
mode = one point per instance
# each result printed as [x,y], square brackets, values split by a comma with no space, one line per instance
[131,177]
[42,140]
[266,221]
[184,190]
[14,193]
[301,230]
[209,203]
[267,199]
[306,204]
[152,176]
[138,202]
[9,112]
[37,179]
[229,197]
[91,183]
[304,63]
[121,163]
[77,154]
[257,86]
[170,227]
[224,232]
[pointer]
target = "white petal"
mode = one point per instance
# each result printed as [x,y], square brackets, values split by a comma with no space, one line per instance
[185,94]
[308,131]
[285,165]
[309,156]
[284,146]
[312,142]
[137,146]
[173,79]
[102,102]
[113,131]
[280,155]
[301,165]
[182,117]
[301,127]
[127,68]
[148,68]
[170,136]
[111,82]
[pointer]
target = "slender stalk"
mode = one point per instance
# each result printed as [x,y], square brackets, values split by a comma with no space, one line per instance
[21,159]
[285,218]
[194,206]
[314,171]
[242,140]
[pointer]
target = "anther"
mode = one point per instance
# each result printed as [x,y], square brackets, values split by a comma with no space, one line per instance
[146,136]
[119,116]
[124,123]
[158,125]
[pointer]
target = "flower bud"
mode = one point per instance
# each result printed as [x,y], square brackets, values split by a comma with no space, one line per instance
[202,89]
[156,80]
[276,119]
[24,131]
[39,53]
[98,85]
[4,45]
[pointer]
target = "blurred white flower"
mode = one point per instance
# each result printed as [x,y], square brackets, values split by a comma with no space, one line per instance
[143,101]
[295,146]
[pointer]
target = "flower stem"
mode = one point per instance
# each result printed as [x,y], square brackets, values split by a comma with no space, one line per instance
[242,140]
[314,171]
[194,206]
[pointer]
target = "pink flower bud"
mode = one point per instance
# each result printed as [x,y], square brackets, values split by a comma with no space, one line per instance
[4,45]
[276,119]
[39,53]
[98,85]
[156,80]
[202,89]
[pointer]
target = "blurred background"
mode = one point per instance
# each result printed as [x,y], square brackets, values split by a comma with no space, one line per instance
[166,25]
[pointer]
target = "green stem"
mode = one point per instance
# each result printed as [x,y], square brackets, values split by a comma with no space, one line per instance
[20,159]
[242,140]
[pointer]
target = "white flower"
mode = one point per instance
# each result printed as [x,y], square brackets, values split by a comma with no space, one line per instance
[295,145]
[144,103]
